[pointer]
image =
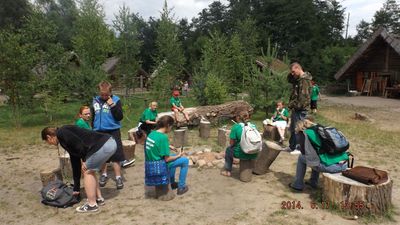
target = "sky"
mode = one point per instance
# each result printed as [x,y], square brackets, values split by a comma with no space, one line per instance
[358,9]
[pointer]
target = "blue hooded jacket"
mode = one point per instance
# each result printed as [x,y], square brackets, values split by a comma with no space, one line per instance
[106,118]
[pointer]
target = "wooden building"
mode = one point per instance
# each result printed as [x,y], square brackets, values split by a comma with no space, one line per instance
[375,68]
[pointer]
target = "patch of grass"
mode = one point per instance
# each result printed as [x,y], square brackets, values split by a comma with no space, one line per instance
[281,212]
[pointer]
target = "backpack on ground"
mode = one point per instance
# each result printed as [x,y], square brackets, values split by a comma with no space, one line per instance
[251,140]
[58,194]
[333,141]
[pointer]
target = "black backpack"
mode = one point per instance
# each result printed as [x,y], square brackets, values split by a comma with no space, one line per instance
[333,141]
[58,194]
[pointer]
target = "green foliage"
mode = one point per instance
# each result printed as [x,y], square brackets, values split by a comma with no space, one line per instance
[268,86]
[12,13]
[388,16]
[93,40]
[169,58]
[127,46]
[215,90]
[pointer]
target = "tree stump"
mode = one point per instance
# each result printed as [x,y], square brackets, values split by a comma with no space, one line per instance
[223,137]
[179,138]
[357,198]
[133,137]
[204,129]
[246,170]
[128,147]
[266,157]
[186,136]
[164,193]
[50,175]
[271,133]
[65,166]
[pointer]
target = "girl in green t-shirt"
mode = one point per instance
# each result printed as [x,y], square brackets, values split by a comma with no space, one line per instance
[148,119]
[157,148]
[83,118]
[279,120]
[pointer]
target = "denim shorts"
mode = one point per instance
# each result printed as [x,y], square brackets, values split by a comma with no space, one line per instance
[99,158]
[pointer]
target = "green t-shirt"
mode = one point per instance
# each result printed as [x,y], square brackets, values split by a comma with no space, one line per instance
[148,114]
[82,124]
[156,146]
[236,134]
[315,93]
[278,117]
[325,158]
[175,101]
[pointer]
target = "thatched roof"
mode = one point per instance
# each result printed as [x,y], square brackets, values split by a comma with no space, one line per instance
[276,66]
[365,51]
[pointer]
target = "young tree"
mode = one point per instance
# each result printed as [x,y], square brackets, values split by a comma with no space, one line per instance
[169,58]
[388,16]
[93,40]
[127,46]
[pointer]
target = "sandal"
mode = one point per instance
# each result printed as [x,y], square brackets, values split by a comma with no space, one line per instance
[226,173]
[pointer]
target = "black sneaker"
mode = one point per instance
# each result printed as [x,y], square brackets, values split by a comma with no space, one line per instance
[86,208]
[311,185]
[100,201]
[295,189]
[120,183]
[103,180]
[127,163]
[174,185]
[182,191]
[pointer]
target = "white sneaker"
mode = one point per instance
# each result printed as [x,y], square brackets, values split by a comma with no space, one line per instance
[295,152]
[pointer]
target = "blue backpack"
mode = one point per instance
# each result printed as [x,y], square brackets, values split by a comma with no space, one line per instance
[333,141]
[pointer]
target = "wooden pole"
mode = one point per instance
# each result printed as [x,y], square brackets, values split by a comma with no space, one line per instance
[222,137]
[179,138]
[50,175]
[65,166]
[357,198]
[128,147]
[204,129]
[246,170]
[266,157]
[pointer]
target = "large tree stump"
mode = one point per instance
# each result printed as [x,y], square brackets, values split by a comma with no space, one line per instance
[128,147]
[186,136]
[164,193]
[266,157]
[179,138]
[204,129]
[223,139]
[49,175]
[133,137]
[65,166]
[271,133]
[212,113]
[361,199]
[246,170]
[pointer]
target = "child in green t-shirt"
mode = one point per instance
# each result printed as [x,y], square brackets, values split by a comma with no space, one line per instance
[176,106]
[279,119]
[315,96]
[83,118]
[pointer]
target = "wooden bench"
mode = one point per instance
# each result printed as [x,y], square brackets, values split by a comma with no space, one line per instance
[391,92]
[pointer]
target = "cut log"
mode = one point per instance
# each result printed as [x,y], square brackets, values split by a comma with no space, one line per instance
[164,193]
[179,138]
[65,166]
[271,133]
[128,147]
[266,157]
[50,175]
[204,129]
[212,113]
[357,198]
[223,137]
[246,170]
[186,136]
[132,136]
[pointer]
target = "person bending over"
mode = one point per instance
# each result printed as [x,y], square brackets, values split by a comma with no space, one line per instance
[93,148]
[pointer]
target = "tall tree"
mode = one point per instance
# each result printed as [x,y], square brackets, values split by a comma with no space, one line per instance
[388,16]
[128,46]
[169,57]
[364,31]
[93,40]
[12,12]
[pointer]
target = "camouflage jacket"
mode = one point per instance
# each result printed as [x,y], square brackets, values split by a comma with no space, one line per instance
[301,93]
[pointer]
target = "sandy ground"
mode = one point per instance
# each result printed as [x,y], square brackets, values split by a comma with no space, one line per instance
[212,198]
